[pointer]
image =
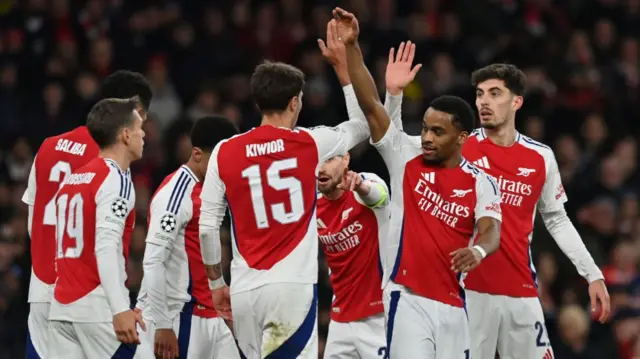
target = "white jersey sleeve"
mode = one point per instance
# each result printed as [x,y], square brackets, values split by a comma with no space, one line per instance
[29,196]
[396,147]
[338,140]
[212,210]
[553,195]
[114,201]
[378,196]
[166,220]
[488,197]
[393,105]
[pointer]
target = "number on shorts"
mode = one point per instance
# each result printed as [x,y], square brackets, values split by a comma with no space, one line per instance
[467,355]
[382,351]
[278,210]
[72,225]
[59,172]
[540,328]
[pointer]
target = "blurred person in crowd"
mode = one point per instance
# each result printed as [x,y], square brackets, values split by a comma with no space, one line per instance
[175,293]
[529,179]
[57,158]
[547,273]
[621,269]
[450,199]
[166,104]
[573,330]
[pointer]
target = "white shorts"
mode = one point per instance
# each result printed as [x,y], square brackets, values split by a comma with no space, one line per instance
[206,338]
[362,339]
[38,331]
[513,326]
[277,321]
[69,340]
[418,327]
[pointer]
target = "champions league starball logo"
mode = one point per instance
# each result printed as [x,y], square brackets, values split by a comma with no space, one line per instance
[168,223]
[119,208]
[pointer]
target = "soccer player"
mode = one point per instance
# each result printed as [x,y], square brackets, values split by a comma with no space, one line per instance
[268,176]
[506,313]
[57,157]
[440,203]
[175,298]
[352,215]
[93,208]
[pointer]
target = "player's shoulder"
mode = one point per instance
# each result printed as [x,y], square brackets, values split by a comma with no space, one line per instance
[477,173]
[174,190]
[76,142]
[534,146]
[116,180]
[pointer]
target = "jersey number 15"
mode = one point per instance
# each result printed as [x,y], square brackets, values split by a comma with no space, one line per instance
[278,183]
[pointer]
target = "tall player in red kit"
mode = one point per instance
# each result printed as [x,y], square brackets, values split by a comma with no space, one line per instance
[175,298]
[267,177]
[353,213]
[440,203]
[57,158]
[506,314]
[90,315]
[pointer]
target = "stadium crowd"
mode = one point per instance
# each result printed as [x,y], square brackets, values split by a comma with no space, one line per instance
[581,57]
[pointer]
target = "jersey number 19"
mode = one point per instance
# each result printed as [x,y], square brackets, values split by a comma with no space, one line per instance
[72,225]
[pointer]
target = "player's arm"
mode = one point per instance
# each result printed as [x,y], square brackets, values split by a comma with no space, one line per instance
[488,215]
[364,87]
[212,212]
[29,196]
[488,218]
[164,226]
[554,216]
[110,227]
[369,188]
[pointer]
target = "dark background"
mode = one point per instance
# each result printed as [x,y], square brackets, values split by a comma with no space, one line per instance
[581,58]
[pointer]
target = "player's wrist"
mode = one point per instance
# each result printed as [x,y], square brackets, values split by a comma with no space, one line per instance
[217,283]
[164,324]
[480,250]
[395,91]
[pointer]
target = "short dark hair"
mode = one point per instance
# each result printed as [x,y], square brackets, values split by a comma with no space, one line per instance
[208,131]
[127,84]
[274,84]
[108,117]
[460,111]
[514,79]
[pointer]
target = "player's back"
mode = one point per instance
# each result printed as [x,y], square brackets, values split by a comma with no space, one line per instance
[98,194]
[269,175]
[56,159]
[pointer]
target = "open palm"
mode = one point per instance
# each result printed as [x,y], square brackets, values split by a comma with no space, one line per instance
[400,72]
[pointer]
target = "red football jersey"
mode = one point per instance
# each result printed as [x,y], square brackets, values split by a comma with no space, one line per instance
[435,211]
[349,234]
[56,159]
[528,176]
[268,178]
[98,195]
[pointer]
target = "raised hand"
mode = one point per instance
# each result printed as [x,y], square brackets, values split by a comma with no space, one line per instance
[334,50]
[400,72]
[348,29]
